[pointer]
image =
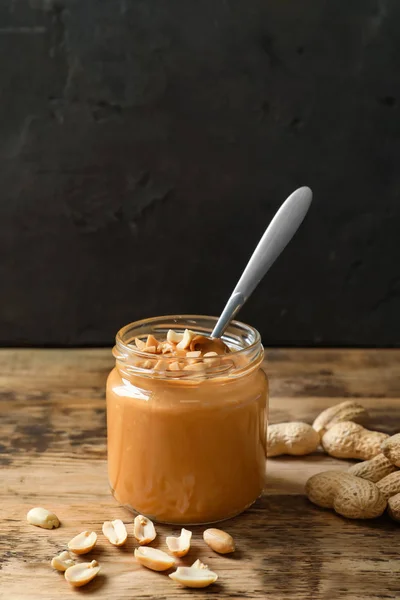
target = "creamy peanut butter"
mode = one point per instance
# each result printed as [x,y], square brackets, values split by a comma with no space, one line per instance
[187,448]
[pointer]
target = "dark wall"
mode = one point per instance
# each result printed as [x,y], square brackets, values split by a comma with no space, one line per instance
[146,144]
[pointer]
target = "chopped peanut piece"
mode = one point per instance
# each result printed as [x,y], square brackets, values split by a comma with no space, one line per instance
[187,338]
[161,365]
[82,573]
[151,341]
[199,565]
[195,367]
[167,348]
[174,337]
[41,517]
[115,532]
[193,577]
[151,349]
[62,561]
[154,559]
[143,530]
[180,546]
[140,345]
[201,353]
[83,543]
[175,366]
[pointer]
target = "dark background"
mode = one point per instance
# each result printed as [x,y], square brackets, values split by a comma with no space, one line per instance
[146,144]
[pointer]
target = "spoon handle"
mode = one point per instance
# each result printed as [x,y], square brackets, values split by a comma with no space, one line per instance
[276,237]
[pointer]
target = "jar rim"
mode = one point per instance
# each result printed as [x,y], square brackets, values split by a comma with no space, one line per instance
[235,332]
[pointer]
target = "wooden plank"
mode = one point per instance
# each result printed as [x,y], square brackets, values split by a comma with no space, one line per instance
[53,453]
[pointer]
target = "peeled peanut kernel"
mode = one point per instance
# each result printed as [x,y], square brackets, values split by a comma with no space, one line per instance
[161,365]
[154,559]
[83,543]
[62,561]
[82,573]
[115,532]
[41,517]
[193,577]
[151,341]
[219,540]
[174,337]
[140,345]
[167,348]
[193,354]
[180,546]
[143,530]
[147,364]
[151,349]
[199,565]
[174,366]
[185,341]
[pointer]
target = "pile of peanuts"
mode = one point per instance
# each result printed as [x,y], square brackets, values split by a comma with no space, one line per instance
[367,488]
[198,575]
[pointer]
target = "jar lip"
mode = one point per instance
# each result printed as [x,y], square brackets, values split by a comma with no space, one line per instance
[128,347]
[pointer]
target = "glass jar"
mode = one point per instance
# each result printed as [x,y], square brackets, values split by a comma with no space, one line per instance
[183,447]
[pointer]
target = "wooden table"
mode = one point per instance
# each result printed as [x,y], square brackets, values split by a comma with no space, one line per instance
[53,454]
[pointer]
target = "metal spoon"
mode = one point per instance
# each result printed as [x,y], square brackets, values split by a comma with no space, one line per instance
[276,237]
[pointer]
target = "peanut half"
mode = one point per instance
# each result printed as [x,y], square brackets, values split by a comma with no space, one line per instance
[41,517]
[83,543]
[391,449]
[186,339]
[154,559]
[349,496]
[350,440]
[219,541]
[180,546]
[144,530]
[115,532]
[345,411]
[82,573]
[193,577]
[62,561]
[390,485]
[394,507]
[294,438]
[374,469]
[174,337]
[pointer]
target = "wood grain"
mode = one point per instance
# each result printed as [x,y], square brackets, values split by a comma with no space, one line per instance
[53,453]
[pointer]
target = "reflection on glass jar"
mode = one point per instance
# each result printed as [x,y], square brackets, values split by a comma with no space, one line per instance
[187,447]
